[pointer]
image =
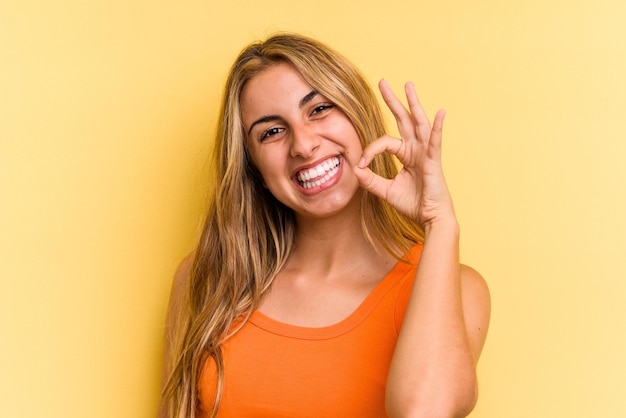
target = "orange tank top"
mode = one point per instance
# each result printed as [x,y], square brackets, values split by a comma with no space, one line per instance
[273,369]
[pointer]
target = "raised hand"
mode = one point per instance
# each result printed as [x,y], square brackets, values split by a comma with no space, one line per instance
[419,191]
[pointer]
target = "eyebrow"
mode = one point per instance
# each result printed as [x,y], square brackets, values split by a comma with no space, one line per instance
[306,99]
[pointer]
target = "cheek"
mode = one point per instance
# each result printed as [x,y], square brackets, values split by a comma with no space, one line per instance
[354,149]
[254,158]
[268,159]
[263,167]
[267,169]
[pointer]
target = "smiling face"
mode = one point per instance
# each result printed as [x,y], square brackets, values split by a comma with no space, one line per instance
[302,144]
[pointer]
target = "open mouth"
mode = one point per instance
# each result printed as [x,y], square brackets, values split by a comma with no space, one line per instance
[320,174]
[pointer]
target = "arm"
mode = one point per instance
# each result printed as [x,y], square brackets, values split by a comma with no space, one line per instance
[176,303]
[433,370]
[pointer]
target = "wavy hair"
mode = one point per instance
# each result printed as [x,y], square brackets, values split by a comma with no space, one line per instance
[248,234]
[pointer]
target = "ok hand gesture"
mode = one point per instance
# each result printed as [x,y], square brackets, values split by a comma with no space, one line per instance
[419,191]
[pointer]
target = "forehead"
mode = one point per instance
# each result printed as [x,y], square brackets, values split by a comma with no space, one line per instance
[276,88]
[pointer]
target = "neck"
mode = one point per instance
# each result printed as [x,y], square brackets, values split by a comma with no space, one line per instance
[323,244]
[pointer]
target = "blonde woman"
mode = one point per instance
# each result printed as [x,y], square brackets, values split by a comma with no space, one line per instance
[326,281]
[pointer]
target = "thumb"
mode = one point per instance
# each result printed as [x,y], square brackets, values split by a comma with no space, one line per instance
[372,182]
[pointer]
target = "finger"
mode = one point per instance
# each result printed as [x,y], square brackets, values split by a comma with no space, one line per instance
[372,182]
[436,135]
[418,112]
[404,119]
[385,143]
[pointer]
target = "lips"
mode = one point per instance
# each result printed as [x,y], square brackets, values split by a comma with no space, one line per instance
[318,175]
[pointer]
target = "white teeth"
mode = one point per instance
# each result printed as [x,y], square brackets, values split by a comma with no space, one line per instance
[321,173]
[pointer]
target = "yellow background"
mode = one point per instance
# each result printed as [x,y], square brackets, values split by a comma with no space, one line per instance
[106,110]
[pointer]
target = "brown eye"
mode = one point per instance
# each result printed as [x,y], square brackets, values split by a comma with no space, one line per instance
[321,108]
[270,132]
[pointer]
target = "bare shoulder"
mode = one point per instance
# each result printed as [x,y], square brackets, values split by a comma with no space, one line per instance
[476,308]
[474,285]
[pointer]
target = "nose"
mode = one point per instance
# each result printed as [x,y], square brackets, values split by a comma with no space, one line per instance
[304,141]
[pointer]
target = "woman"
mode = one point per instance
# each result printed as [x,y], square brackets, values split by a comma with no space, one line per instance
[326,282]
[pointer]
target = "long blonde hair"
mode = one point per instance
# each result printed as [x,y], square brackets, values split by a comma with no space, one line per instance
[248,234]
